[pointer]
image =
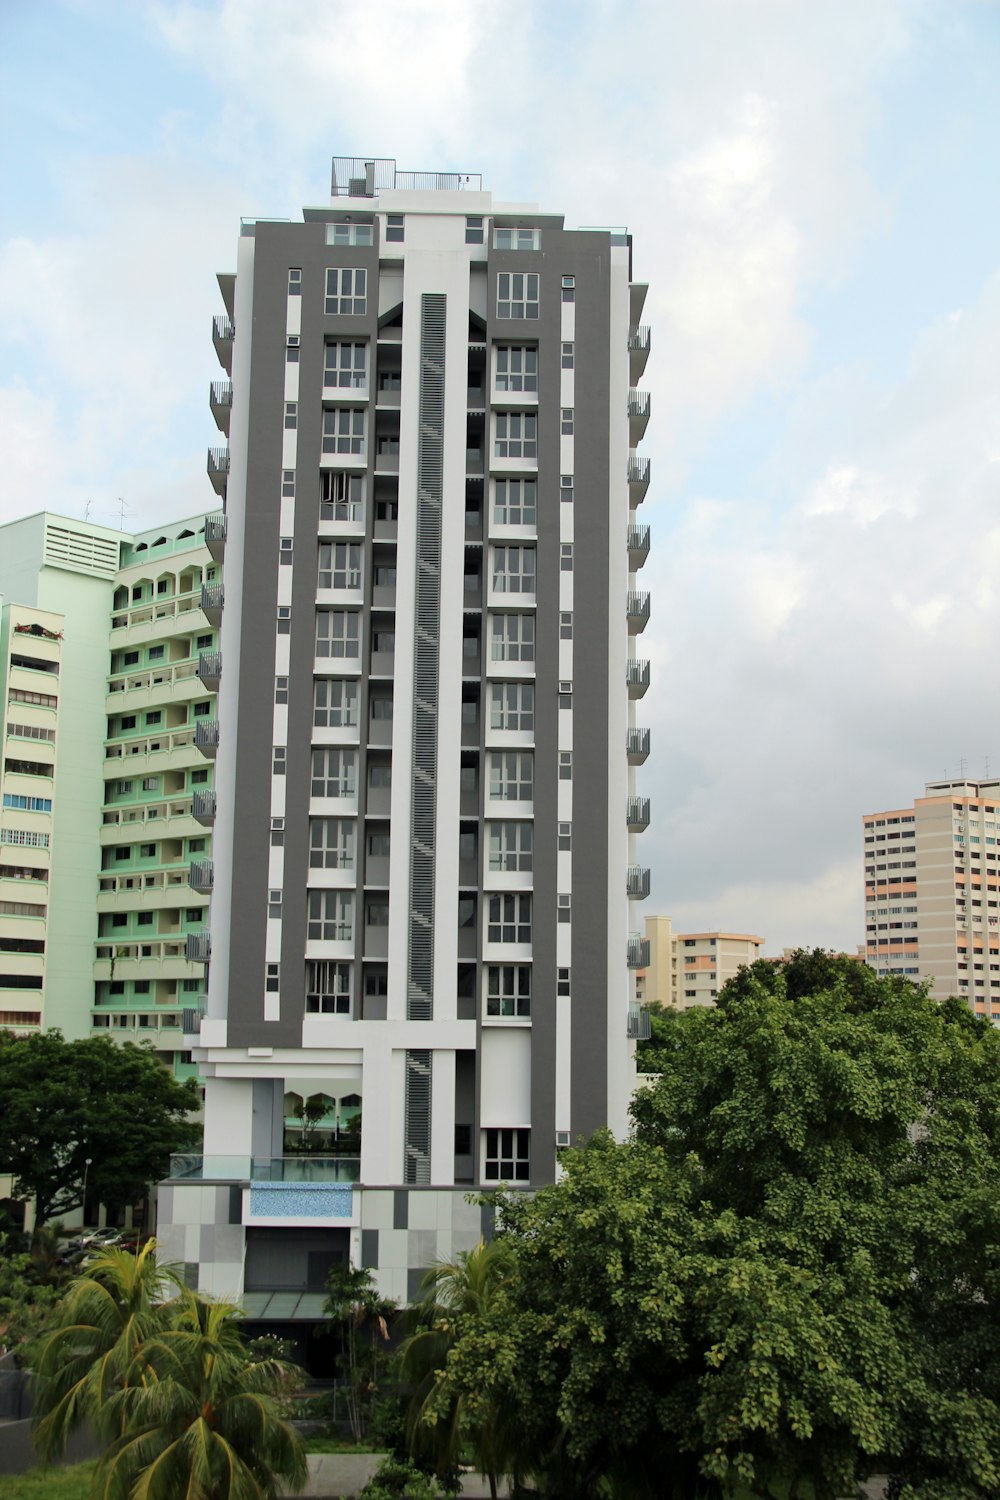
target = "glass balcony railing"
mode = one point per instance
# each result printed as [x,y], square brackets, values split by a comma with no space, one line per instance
[265,1168]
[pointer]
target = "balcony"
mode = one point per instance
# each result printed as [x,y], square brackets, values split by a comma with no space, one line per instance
[206,737]
[638,546]
[202,875]
[220,399]
[638,415]
[198,947]
[190,1168]
[223,334]
[212,600]
[218,470]
[637,611]
[203,808]
[215,534]
[210,669]
[636,677]
[637,1026]
[637,746]
[637,952]
[637,814]
[639,345]
[636,882]
[638,479]
[191,1019]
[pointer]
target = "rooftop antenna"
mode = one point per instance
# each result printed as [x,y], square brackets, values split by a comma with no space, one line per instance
[86,510]
[961,768]
[123,506]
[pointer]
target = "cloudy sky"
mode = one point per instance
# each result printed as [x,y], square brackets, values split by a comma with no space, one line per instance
[812,187]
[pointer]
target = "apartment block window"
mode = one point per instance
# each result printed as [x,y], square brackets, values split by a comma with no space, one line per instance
[331,844]
[516,239]
[562,982]
[512,775]
[565,765]
[512,706]
[514,570]
[281,690]
[510,846]
[513,637]
[394,228]
[508,990]
[328,987]
[378,845]
[335,703]
[566,557]
[566,625]
[291,415]
[295,282]
[565,836]
[517,294]
[341,497]
[515,502]
[564,907]
[376,913]
[567,356]
[338,633]
[569,288]
[330,916]
[349,234]
[347,290]
[566,487]
[284,619]
[380,706]
[346,365]
[292,349]
[516,435]
[27,804]
[278,760]
[334,773]
[272,981]
[509,919]
[288,484]
[474,229]
[517,368]
[379,774]
[274,904]
[286,546]
[508,1156]
[339,565]
[344,430]
[277,833]
[566,422]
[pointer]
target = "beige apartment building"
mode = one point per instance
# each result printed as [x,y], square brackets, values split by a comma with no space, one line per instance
[690,968]
[931,891]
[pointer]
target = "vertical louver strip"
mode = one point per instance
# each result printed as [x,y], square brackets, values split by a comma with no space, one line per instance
[417,1166]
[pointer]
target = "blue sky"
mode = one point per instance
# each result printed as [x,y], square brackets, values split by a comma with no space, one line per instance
[812,189]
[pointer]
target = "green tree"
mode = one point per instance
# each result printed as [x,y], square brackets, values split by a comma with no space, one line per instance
[196,1416]
[29,1292]
[455,1296]
[361,1320]
[64,1103]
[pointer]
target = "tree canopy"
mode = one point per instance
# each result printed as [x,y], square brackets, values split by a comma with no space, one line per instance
[64,1102]
[786,1281]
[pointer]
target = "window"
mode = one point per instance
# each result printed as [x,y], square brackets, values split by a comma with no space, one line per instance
[516,239]
[335,703]
[127,721]
[346,366]
[514,570]
[286,546]
[291,415]
[346,289]
[565,765]
[27,804]
[331,844]
[565,907]
[515,502]
[334,773]
[466,911]
[517,368]
[474,229]
[284,619]
[376,913]
[566,487]
[562,981]
[154,717]
[378,846]
[394,227]
[281,690]
[512,705]
[512,775]
[565,836]
[509,918]
[339,565]
[337,633]
[274,905]
[271,980]
[330,916]
[513,637]
[516,435]
[508,1156]
[510,846]
[566,557]
[292,350]
[379,774]
[288,484]
[155,653]
[277,833]
[517,294]
[567,356]
[508,990]
[566,422]
[349,234]
[566,626]
[295,282]
[341,497]
[344,430]
[380,706]
[569,288]
[328,987]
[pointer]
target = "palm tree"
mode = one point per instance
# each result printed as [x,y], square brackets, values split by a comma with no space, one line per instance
[197,1416]
[111,1309]
[454,1295]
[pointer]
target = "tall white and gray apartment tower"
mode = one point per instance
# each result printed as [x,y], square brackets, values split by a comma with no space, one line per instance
[421,977]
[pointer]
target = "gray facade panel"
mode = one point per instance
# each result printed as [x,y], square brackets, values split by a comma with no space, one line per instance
[369,1249]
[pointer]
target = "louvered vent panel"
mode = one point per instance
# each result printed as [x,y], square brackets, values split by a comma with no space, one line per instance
[430,479]
[418,1118]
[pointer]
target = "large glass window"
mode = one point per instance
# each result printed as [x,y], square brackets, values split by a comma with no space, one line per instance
[346,365]
[513,637]
[338,632]
[515,502]
[512,775]
[335,703]
[514,570]
[516,435]
[516,239]
[517,368]
[512,705]
[331,916]
[517,294]
[508,990]
[334,772]
[347,290]
[328,987]
[344,430]
[341,497]
[508,1156]
[339,565]
[510,846]
[509,918]
[331,844]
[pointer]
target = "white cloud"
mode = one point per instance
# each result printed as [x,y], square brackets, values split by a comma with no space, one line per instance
[815,913]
